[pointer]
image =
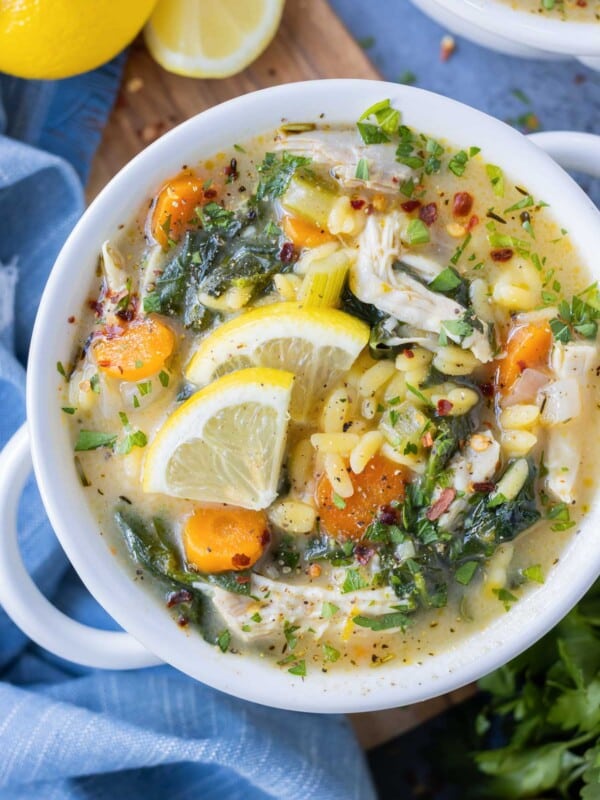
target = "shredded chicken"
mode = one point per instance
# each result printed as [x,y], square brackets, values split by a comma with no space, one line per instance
[341,154]
[571,363]
[476,464]
[374,280]
[298,604]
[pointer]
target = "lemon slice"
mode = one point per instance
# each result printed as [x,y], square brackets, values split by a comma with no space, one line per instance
[211,38]
[225,444]
[318,345]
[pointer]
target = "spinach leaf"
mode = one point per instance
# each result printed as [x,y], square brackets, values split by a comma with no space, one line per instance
[486,524]
[350,303]
[212,260]
[151,547]
[451,433]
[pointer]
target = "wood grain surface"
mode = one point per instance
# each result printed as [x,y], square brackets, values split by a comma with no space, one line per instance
[311,43]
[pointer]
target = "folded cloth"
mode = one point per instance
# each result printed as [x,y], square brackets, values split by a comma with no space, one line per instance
[68,732]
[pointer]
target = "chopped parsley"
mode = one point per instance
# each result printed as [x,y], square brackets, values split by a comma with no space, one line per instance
[299,668]
[496,176]
[395,619]
[330,653]
[276,173]
[577,317]
[338,501]
[353,581]
[328,610]
[362,170]
[464,574]
[417,232]
[92,440]
[224,640]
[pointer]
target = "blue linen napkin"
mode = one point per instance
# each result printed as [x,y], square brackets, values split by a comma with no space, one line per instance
[68,732]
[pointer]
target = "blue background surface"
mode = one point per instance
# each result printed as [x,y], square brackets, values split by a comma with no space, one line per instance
[564,95]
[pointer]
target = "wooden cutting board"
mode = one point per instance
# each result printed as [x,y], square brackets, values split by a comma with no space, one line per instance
[311,43]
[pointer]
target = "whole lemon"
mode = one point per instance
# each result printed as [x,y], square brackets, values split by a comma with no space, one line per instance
[60,38]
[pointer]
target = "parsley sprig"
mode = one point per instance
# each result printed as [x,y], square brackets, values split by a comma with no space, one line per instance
[576,317]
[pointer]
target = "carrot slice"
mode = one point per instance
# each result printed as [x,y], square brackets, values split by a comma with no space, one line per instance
[224,538]
[527,346]
[377,485]
[305,234]
[176,205]
[139,350]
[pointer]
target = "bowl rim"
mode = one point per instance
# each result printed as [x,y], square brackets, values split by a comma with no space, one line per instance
[134,608]
[553,35]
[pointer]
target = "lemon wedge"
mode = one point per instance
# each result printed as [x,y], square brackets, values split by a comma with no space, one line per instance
[226,443]
[318,345]
[211,38]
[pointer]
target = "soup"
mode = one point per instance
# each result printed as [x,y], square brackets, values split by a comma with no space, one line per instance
[570,10]
[331,394]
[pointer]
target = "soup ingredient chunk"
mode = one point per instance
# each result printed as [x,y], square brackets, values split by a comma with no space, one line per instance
[380,483]
[203,39]
[136,351]
[225,538]
[528,347]
[378,278]
[317,344]
[175,206]
[225,444]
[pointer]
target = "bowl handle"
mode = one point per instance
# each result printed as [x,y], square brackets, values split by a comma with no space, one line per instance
[577,151]
[27,606]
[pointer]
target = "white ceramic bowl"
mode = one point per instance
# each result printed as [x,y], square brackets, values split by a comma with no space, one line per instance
[497,26]
[151,634]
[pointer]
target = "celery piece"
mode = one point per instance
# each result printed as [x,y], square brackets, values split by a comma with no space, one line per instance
[324,282]
[309,198]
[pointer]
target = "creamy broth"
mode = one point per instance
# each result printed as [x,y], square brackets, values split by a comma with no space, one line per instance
[416,546]
[568,10]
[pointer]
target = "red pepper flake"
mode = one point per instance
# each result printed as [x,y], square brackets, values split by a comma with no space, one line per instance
[441,505]
[522,365]
[447,47]
[287,253]
[96,307]
[241,579]
[473,222]
[462,204]
[126,314]
[409,353]
[265,538]
[182,596]
[505,254]
[484,486]
[357,203]
[183,622]
[428,214]
[444,407]
[410,205]
[240,560]
[210,194]
[112,331]
[388,515]
[487,389]
[71,320]
[364,553]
